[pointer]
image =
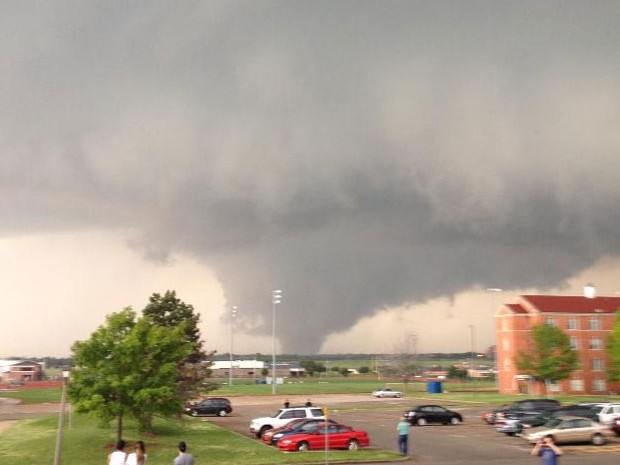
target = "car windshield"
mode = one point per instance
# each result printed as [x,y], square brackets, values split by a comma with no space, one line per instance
[597,409]
[553,423]
[275,415]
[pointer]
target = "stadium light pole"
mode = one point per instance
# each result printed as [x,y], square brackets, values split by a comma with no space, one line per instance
[276,298]
[233,314]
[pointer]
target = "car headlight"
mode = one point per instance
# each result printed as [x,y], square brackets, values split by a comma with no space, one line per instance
[286,441]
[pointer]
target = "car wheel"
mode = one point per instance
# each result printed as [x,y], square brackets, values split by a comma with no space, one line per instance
[510,434]
[353,445]
[222,413]
[303,446]
[421,421]
[263,430]
[455,420]
[598,439]
[398,395]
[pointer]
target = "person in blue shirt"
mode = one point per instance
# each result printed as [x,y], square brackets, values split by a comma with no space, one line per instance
[403,435]
[547,451]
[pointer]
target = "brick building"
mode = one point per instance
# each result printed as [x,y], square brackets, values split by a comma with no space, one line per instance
[587,320]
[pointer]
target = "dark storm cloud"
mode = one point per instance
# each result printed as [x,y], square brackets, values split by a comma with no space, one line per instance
[356,155]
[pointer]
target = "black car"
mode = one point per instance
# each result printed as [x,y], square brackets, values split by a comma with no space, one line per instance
[423,414]
[525,408]
[219,406]
[575,410]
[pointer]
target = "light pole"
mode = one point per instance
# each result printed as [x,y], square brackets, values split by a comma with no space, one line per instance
[495,290]
[276,298]
[472,347]
[233,314]
[61,417]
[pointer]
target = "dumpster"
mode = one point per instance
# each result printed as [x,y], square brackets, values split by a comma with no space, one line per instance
[433,387]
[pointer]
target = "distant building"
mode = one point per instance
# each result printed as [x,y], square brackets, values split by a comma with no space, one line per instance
[254,369]
[20,370]
[587,320]
[240,368]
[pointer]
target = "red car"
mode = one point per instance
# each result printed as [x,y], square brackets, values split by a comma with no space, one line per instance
[268,435]
[338,437]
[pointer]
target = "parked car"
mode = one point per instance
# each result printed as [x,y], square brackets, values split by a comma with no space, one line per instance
[575,410]
[423,414]
[509,426]
[606,411]
[387,392]
[282,417]
[219,406]
[532,407]
[272,436]
[338,436]
[615,426]
[570,429]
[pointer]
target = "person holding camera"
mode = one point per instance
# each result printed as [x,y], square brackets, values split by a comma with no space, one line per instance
[547,451]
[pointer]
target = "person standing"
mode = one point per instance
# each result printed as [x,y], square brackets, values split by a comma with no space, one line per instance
[403,435]
[547,451]
[119,456]
[138,457]
[184,457]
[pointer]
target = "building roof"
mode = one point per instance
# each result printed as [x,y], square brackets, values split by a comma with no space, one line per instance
[572,304]
[516,308]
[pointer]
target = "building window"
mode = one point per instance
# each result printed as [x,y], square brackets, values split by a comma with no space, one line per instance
[596,343]
[598,385]
[574,342]
[594,323]
[573,324]
[576,385]
[597,364]
[551,321]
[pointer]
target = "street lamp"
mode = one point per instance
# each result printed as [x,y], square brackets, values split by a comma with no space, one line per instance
[61,417]
[276,298]
[473,345]
[495,290]
[233,314]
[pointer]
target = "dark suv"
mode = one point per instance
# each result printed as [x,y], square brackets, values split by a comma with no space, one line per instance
[219,406]
[526,408]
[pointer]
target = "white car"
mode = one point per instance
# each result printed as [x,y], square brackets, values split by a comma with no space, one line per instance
[387,392]
[607,411]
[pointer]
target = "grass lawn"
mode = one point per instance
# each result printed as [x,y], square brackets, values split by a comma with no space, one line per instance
[33,442]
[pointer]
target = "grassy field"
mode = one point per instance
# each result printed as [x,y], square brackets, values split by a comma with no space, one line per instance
[33,442]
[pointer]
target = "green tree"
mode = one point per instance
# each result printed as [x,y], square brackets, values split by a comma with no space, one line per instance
[456,373]
[312,367]
[129,367]
[363,370]
[169,311]
[98,380]
[613,351]
[551,357]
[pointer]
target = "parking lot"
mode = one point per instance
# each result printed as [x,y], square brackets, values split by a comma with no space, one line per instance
[470,443]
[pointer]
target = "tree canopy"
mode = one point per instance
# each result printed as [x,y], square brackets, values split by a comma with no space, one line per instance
[138,366]
[613,351]
[551,357]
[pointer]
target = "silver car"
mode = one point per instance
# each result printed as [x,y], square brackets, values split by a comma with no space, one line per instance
[570,429]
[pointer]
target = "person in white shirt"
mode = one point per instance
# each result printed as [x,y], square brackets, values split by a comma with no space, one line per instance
[138,457]
[119,456]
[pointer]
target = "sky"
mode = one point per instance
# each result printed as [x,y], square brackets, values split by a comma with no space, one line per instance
[381,163]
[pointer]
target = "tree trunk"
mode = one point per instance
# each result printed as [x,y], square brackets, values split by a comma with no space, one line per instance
[119,427]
